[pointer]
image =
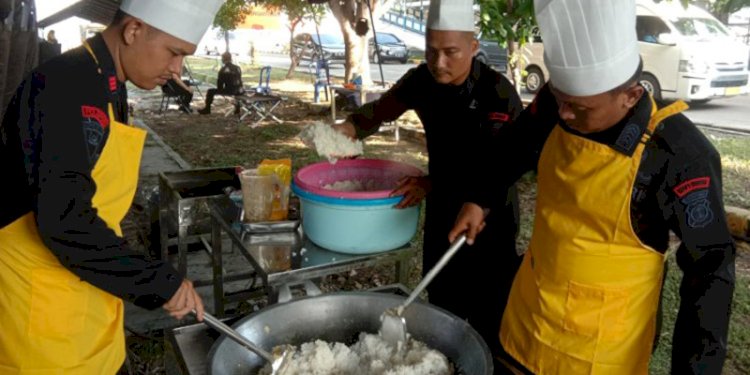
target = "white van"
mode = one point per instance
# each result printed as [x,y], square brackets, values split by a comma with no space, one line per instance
[687,54]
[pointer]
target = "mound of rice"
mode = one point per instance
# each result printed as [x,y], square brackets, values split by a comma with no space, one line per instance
[371,355]
[329,143]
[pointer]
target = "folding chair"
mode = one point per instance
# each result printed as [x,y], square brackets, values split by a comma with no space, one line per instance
[258,102]
[168,93]
[260,107]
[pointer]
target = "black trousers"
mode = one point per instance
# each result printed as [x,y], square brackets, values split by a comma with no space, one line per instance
[213,92]
[486,268]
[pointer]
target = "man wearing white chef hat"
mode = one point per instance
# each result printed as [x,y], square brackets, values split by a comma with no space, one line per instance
[71,166]
[616,172]
[462,104]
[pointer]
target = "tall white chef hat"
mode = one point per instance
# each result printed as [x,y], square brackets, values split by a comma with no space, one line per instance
[590,46]
[184,19]
[452,15]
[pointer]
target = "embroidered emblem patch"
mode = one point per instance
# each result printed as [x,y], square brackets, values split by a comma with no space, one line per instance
[692,185]
[96,114]
[629,136]
[95,123]
[94,134]
[698,209]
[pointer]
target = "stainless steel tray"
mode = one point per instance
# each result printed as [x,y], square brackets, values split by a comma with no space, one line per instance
[271,226]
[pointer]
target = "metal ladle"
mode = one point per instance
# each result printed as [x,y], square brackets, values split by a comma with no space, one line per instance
[279,364]
[392,321]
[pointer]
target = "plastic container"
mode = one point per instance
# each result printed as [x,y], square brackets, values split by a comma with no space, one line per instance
[257,195]
[355,222]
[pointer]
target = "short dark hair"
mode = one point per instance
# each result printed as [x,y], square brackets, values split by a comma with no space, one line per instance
[119,17]
[634,79]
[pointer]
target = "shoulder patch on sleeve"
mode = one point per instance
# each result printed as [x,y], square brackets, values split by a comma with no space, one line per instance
[698,209]
[96,114]
[689,186]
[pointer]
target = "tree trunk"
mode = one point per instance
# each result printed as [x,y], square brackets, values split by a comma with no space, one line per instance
[226,40]
[514,57]
[294,57]
[356,53]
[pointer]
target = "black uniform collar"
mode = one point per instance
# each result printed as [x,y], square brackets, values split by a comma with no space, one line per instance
[472,79]
[116,89]
[106,63]
[624,136]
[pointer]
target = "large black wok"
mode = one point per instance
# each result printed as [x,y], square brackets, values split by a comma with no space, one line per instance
[341,317]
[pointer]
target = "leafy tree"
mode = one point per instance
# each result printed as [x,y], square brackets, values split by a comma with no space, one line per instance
[298,12]
[510,23]
[231,15]
[723,8]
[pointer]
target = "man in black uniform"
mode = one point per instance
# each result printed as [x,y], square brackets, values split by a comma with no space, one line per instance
[229,82]
[675,185]
[70,165]
[462,104]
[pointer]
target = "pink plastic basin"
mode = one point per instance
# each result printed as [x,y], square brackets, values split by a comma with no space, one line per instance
[383,173]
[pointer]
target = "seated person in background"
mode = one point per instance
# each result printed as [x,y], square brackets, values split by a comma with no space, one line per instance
[181,89]
[229,82]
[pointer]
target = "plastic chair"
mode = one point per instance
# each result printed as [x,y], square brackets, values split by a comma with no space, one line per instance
[264,87]
[320,78]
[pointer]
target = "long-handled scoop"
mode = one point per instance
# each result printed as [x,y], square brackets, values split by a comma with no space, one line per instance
[393,323]
[278,364]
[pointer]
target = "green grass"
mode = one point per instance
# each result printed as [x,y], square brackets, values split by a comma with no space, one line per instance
[738,355]
[735,160]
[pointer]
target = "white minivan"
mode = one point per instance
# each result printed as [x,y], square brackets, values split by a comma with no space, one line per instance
[687,54]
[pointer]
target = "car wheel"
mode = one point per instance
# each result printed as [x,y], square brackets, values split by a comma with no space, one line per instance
[375,58]
[404,60]
[534,79]
[651,84]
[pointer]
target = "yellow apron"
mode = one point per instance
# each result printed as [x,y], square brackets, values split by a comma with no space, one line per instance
[53,322]
[585,297]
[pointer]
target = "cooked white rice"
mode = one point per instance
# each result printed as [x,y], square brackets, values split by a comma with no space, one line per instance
[330,143]
[371,355]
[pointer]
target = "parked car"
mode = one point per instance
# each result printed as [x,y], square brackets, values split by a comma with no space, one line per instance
[330,46]
[687,55]
[391,49]
[490,53]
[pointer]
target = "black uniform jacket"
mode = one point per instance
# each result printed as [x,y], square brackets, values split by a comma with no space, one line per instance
[459,123]
[678,188]
[230,78]
[52,136]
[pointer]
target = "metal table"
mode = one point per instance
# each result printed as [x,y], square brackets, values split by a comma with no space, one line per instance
[279,260]
[366,95]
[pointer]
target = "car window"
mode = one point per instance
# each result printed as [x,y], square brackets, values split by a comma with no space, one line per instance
[648,28]
[330,39]
[700,28]
[387,38]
